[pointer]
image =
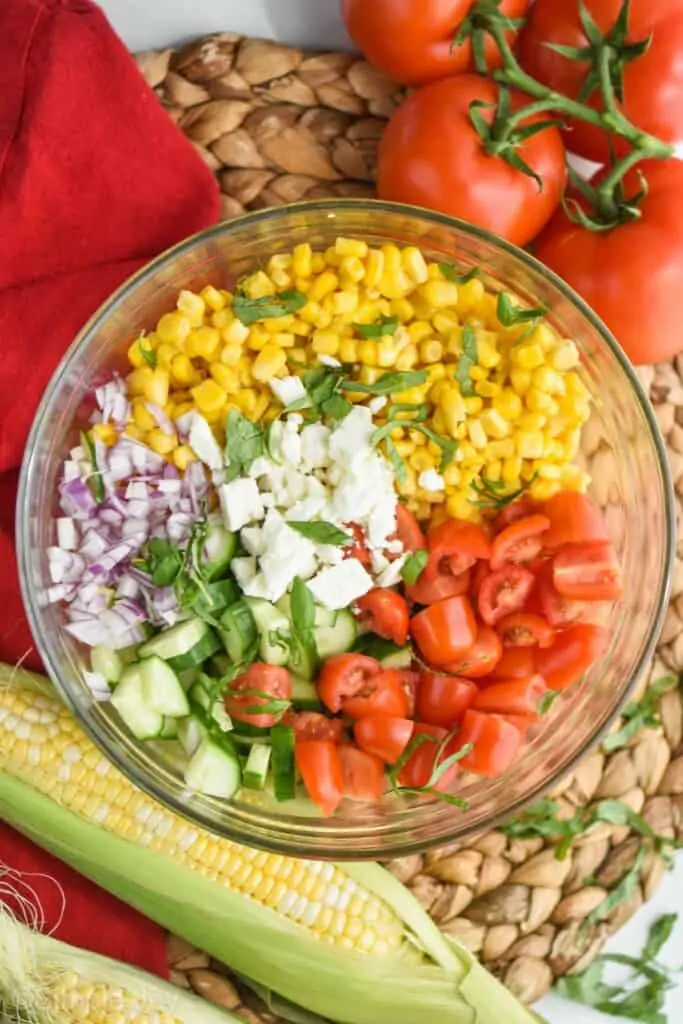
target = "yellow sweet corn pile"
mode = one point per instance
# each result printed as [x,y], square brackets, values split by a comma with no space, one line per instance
[519,427]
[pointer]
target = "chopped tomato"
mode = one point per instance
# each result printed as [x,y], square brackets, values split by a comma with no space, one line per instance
[516,663]
[558,610]
[444,631]
[343,676]
[454,547]
[511,696]
[385,612]
[524,629]
[311,725]
[522,722]
[385,737]
[443,699]
[357,548]
[587,572]
[446,585]
[408,530]
[320,767]
[479,574]
[504,592]
[409,683]
[515,510]
[519,542]
[418,769]
[495,743]
[258,686]
[573,519]
[573,652]
[481,658]
[381,694]
[363,774]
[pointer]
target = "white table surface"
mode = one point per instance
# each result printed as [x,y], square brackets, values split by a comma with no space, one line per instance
[151,24]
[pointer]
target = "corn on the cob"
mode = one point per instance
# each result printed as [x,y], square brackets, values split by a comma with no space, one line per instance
[339,945]
[46,981]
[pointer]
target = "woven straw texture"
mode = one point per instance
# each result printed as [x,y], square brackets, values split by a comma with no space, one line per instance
[277,125]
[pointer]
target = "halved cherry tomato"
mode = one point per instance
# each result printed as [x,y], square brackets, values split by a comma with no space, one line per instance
[381,694]
[445,630]
[443,699]
[516,663]
[455,546]
[430,591]
[408,530]
[573,519]
[524,629]
[573,652]
[479,574]
[495,743]
[522,722]
[587,572]
[515,510]
[409,683]
[343,676]
[385,737]
[311,725]
[320,767]
[357,548]
[558,610]
[259,685]
[519,542]
[363,774]
[511,696]
[504,592]
[481,658]
[385,612]
[419,767]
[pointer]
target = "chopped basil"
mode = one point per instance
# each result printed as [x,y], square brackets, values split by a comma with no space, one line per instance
[302,613]
[164,561]
[510,315]
[413,566]
[269,705]
[148,354]
[547,701]
[440,767]
[398,380]
[269,307]
[491,492]
[323,385]
[95,482]
[396,460]
[467,360]
[383,325]
[244,442]
[642,714]
[451,274]
[320,532]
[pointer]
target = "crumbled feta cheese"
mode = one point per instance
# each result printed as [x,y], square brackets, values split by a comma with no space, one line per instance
[376,404]
[290,444]
[288,389]
[261,466]
[341,585]
[243,569]
[240,503]
[315,443]
[204,444]
[328,361]
[430,480]
[351,438]
[390,576]
[394,547]
[252,540]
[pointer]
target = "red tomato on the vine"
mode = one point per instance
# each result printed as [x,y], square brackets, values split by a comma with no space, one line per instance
[412,42]
[631,275]
[651,84]
[431,155]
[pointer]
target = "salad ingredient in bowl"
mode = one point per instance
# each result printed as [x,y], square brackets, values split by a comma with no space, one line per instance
[331,526]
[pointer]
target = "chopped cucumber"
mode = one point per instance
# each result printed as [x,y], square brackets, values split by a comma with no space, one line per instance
[274,435]
[213,598]
[143,722]
[238,632]
[323,616]
[214,769]
[401,658]
[188,677]
[284,781]
[336,639]
[256,769]
[169,730]
[221,664]
[183,646]
[272,625]
[200,697]
[303,662]
[304,695]
[191,732]
[246,734]
[389,653]
[221,716]
[106,662]
[161,688]
[218,551]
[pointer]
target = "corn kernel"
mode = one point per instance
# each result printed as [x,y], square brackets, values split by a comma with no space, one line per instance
[549,381]
[268,363]
[474,405]
[487,389]
[548,471]
[246,401]
[225,378]
[192,306]
[402,310]
[345,302]
[527,356]
[160,442]
[386,352]
[135,356]
[487,351]
[478,373]
[222,318]
[203,342]
[262,403]
[302,260]
[258,337]
[281,279]
[414,264]
[494,470]
[348,350]
[351,270]
[452,476]
[213,298]
[300,329]
[440,293]
[325,343]
[209,397]
[407,358]
[470,296]
[258,285]
[165,354]
[374,268]
[351,247]
[460,507]
[530,444]
[539,401]
[495,425]
[183,456]
[531,421]
[431,351]
[244,370]
[369,374]
[231,354]
[419,330]
[542,490]
[174,328]
[367,352]
[297,354]
[394,284]
[106,433]
[235,333]
[476,433]
[156,387]
[182,370]
[512,469]
[453,407]
[142,417]
[520,380]
[564,356]
[324,284]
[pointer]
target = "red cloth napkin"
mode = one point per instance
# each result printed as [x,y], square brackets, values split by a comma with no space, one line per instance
[95,180]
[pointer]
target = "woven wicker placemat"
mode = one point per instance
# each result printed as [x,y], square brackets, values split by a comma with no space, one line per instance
[277,125]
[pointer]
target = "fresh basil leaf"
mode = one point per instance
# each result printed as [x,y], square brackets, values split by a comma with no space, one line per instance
[621,893]
[249,311]
[411,747]
[302,613]
[659,935]
[320,532]
[490,495]
[163,561]
[451,274]
[244,442]
[336,407]
[269,705]
[441,766]
[418,412]
[383,325]
[399,380]
[547,701]
[467,360]
[511,315]
[642,714]
[413,566]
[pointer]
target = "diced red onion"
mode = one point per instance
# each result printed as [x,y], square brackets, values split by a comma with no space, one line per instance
[67,534]
[137,489]
[98,685]
[93,545]
[133,527]
[77,499]
[128,586]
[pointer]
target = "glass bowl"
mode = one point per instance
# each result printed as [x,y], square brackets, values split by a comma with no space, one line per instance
[622,447]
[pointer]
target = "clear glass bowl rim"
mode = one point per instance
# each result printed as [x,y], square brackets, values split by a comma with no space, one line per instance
[296,845]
